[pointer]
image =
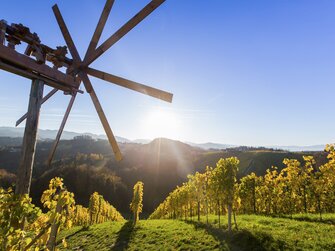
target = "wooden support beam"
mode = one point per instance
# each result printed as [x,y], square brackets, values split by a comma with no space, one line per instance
[29,139]
[30,75]
[49,95]
[61,128]
[3,26]
[25,63]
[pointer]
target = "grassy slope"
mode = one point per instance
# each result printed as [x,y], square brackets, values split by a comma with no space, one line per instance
[147,235]
[326,217]
[256,233]
[266,233]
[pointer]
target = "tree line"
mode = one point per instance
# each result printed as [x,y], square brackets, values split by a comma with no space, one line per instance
[297,188]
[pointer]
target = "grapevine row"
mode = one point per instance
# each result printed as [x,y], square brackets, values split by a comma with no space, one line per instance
[297,188]
[23,226]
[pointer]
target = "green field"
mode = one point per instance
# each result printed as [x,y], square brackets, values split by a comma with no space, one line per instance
[255,233]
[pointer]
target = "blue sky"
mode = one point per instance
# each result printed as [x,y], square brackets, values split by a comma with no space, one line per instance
[242,72]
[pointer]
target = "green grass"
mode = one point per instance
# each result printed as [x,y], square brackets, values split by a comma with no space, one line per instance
[255,233]
[327,218]
[280,233]
[147,235]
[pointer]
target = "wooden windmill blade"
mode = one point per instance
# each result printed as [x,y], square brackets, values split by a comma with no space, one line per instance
[44,99]
[87,83]
[66,35]
[61,128]
[123,30]
[102,117]
[147,90]
[93,43]
[100,26]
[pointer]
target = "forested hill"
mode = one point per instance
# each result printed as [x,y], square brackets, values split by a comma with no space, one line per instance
[87,165]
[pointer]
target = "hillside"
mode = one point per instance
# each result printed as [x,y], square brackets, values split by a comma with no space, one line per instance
[161,164]
[256,161]
[255,233]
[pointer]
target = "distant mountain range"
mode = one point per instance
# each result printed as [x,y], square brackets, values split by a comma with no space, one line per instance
[17,132]
[312,148]
[210,145]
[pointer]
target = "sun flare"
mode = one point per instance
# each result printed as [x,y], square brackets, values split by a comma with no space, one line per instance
[160,123]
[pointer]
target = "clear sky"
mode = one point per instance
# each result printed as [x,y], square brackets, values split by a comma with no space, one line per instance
[242,72]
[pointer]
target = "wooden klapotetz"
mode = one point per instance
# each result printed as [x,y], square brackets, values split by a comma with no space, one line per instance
[35,65]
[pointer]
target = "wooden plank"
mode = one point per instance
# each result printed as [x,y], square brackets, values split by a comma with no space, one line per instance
[100,26]
[102,116]
[147,90]
[45,98]
[87,83]
[61,128]
[3,26]
[31,75]
[25,169]
[123,30]
[67,37]
[26,63]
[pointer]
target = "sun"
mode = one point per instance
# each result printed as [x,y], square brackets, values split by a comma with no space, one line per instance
[160,122]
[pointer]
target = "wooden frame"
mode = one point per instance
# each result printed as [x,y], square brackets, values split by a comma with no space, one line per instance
[32,65]
[25,66]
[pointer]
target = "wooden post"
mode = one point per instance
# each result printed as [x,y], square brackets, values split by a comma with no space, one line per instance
[229,216]
[29,139]
[2,31]
[51,244]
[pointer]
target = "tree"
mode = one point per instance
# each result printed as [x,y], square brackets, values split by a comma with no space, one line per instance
[228,170]
[305,180]
[289,183]
[269,191]
[216,188]
[198,186]
[247,193]
[100,210]
[323,182]
[94,207]
[136,204]
[207,175]
[59,202]
[15,211]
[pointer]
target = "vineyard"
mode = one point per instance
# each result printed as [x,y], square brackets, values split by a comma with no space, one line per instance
[25,227]
[287,209]
[239,161]
[297,188]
